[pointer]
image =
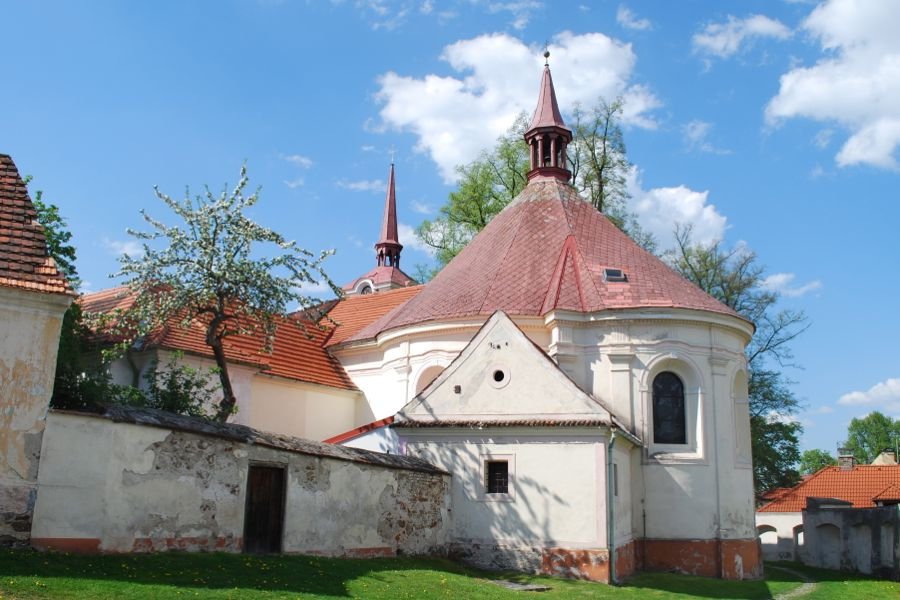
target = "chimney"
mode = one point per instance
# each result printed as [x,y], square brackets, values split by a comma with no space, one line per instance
[846,460]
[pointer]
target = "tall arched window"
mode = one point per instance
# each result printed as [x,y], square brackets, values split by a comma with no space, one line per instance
[669,425]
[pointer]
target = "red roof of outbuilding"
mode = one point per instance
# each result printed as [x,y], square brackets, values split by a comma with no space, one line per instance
[298,353]
[861,485]
[547,250]
[24,260]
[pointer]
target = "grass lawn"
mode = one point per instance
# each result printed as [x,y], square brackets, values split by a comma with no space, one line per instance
[44,575]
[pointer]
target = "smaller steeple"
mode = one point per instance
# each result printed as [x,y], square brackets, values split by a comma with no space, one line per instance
[548,136]
[388,247]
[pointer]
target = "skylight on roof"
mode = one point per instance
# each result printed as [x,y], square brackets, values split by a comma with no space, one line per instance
[614,275]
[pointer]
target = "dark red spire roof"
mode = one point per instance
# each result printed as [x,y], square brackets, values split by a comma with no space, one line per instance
[24,260]
[389,223]
[547,112]
[549,249]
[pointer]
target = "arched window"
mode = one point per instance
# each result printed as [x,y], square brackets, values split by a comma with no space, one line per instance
[669,426]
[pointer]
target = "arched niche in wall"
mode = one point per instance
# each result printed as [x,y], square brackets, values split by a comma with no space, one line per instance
[426,376]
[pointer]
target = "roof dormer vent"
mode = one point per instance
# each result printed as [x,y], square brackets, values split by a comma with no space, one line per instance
[614,275]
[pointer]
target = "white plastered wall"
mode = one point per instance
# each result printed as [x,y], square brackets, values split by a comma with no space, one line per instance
[549,505]
[300,409]
[708,481]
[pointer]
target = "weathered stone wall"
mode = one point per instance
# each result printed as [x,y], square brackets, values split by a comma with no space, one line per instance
[29,340]
[865,540]
[141,486]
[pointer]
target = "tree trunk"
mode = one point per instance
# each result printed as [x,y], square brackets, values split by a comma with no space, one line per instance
[226,405]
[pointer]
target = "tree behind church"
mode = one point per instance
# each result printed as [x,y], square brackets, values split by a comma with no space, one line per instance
[209,269]
[599,167]
[735,278]
[868,436]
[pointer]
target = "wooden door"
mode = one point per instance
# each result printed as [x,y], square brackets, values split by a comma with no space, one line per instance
[264,514]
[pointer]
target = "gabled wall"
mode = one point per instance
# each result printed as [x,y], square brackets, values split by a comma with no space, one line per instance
[29,340]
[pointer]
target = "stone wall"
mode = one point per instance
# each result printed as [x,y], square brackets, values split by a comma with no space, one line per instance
[865,540]
[139,480]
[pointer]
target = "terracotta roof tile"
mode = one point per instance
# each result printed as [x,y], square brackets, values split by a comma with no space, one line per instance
[382,275]
[861,485]
[548,250]
[24,260]
[358,431]
[358,312]
[297,354]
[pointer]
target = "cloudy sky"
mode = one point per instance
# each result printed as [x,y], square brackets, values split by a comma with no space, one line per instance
[773,125]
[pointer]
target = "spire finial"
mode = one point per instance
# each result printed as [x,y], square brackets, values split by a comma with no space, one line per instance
[546,58]
[392,151]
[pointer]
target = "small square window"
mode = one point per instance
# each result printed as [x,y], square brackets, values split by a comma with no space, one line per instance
[497,475]
[615,275]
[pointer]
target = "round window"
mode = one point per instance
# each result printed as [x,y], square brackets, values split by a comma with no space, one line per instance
[499,376]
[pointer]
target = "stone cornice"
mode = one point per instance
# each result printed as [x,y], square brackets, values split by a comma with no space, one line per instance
[645,316]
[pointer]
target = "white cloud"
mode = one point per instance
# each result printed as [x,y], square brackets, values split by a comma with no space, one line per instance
[855,84]
[520,10]
[132,248]
[782,284]
[409,239]
[823,138]
[696,137]
[304,162]
[294,183]
[367,148]
[422,208]
[426,7]
[659,210]
[371,185]
[456,117]
[726,39]
[629,20]
[883,396]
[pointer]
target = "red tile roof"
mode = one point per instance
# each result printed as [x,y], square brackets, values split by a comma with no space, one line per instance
[358,312]
[358,431]
[297,354]
[24,260]
[861,485]
[548,250]
[382,275]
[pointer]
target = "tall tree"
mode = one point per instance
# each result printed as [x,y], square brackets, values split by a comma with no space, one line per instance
[210,269]
[68,390]
[812,461]
[599,172]
[735,278]
[868,436]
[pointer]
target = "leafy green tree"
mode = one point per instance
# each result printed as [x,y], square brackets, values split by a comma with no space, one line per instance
[812,461]
[209,269]
[735,278]
[69,385]
[599,170]
[868,436]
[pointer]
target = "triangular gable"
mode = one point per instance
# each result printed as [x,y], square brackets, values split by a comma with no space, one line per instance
[531,387]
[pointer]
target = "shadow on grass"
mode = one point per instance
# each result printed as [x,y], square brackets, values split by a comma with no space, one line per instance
[776,581]
[218,571]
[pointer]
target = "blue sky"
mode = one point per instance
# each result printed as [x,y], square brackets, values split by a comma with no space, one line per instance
[773,125]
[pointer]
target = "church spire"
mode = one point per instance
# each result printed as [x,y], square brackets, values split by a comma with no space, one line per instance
[547,136]
[388,247]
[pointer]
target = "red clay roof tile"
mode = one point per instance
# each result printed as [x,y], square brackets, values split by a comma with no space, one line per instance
[298,352]
[861,485]
[547,250]
[24,260]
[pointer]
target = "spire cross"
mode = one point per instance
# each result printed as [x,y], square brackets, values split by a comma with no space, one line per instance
[392,151]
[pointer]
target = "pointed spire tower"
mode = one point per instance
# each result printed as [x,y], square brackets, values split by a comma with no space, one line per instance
[388,247]
[548,136]
[387,274]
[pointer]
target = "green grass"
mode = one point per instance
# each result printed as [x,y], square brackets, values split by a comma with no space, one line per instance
[28,574]
[838,585]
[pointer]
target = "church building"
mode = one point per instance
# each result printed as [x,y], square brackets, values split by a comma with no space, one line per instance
[589,403]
